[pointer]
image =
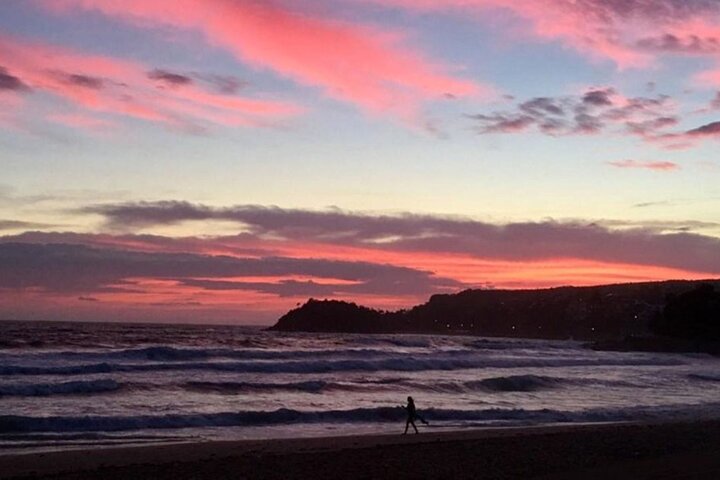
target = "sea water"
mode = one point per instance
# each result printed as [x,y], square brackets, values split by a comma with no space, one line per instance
[66,385]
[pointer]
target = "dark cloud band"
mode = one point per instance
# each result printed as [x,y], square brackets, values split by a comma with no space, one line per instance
[82,269]
[407,232]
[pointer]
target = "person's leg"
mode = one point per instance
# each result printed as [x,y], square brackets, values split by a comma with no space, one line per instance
[413,424]
[407,424]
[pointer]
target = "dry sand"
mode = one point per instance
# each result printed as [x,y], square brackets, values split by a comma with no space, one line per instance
[608,451]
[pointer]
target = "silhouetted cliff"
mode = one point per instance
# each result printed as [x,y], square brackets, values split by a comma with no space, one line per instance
[587,313]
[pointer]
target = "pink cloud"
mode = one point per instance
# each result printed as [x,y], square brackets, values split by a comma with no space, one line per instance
[663,166]
[689,138]
[360,64]
[96,84]
[629,33]
[709,130]
[709,78]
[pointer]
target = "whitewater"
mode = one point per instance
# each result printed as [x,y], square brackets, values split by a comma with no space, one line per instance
[67,385]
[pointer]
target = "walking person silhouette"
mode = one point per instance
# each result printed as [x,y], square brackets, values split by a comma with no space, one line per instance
[412,415]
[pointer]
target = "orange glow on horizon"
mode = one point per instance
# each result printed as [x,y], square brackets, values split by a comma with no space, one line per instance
[498,273]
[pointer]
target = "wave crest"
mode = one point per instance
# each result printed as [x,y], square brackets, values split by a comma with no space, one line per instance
[12,424]
[393,363]
[65,388]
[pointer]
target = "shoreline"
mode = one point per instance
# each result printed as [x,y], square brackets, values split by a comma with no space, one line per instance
[648,450]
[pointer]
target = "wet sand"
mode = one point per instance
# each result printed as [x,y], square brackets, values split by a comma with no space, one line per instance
[607,451]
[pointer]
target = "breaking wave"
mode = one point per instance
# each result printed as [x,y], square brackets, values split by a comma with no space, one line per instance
[13,424]
[178,354]
[394,363]
[65,388]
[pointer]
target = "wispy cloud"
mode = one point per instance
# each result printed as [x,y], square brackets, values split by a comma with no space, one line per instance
[711,129]
[662,166]
[662,226]
[661,203]
[370,67]
[629,33]
[688,44]
[169,78]
[11,82]
[601,111]
[21,225]
[598,110]
[95,87]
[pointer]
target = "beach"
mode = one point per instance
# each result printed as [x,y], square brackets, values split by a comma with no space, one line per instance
[619,451]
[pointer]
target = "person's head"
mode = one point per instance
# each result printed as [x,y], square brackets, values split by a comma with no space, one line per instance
[410,400]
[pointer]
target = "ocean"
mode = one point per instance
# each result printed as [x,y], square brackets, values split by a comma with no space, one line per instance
[74,385]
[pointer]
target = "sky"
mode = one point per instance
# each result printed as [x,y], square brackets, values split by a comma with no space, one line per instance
[222,161]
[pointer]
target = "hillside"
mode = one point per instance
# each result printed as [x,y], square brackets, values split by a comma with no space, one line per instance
[602,312]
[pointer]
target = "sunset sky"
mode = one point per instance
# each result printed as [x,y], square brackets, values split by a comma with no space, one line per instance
[223,160]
